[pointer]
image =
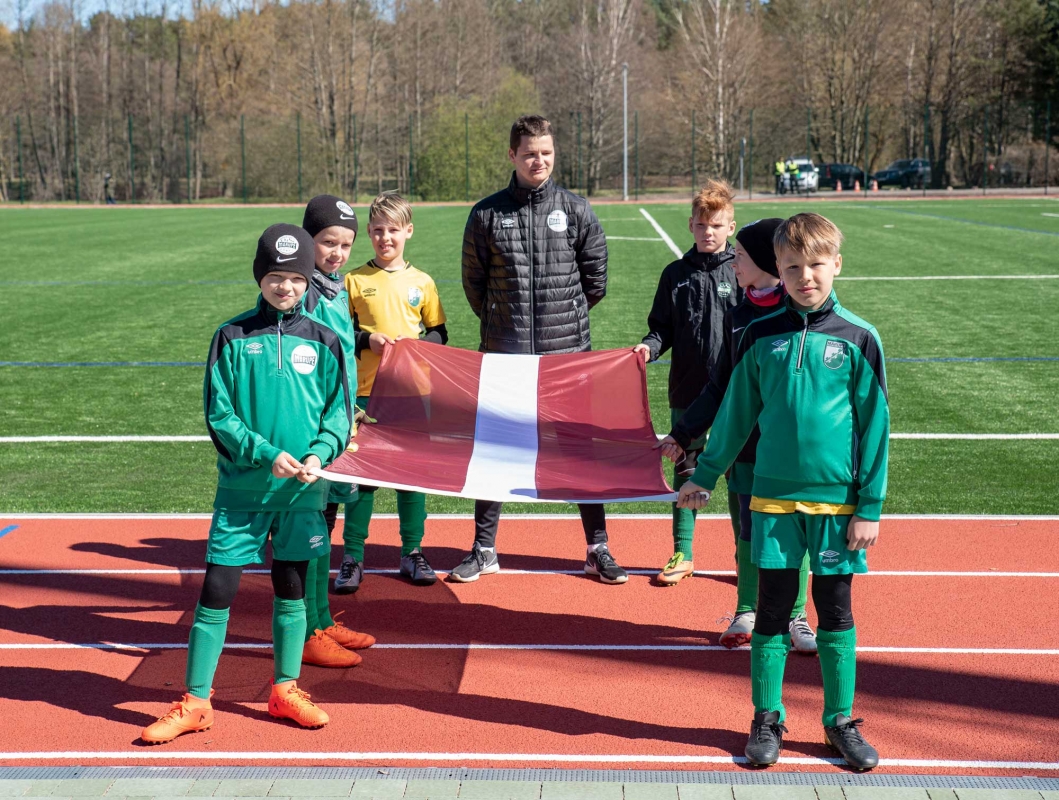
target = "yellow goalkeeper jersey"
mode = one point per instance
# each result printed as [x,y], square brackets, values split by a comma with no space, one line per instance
[404,302]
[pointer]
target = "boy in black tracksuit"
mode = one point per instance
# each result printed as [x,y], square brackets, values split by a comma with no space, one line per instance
[755,269]
[693,295]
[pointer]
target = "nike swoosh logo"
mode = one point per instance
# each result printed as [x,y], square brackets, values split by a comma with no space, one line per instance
[736,330]
[343,216]
[685,283]
[285,260]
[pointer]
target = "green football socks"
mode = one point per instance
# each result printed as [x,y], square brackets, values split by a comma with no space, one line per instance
[803,589]
[683,524]
[768,657]
[355,527]
[204,649]
[838,665]
[288,638]
[745,579]
[317,603]
[412,513]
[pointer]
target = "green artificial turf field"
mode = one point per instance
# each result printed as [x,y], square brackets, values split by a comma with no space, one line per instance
[86,287]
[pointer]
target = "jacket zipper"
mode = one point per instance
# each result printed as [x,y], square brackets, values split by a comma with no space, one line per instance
[533,312]
[801,347]
[856,455]
[279,338]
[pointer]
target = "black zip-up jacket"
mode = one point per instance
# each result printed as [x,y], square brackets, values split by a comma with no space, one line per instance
[699,416]
[688,316]
[534,263]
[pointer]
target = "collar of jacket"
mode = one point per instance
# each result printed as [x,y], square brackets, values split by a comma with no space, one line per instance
[329,285]
[524,196]
[272,315]
[814,316]
[709,260]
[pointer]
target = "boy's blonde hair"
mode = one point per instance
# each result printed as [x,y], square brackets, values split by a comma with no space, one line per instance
[391,207]
[809,234]
[714,197]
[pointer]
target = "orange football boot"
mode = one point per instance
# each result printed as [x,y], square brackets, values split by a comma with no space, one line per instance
[349,639]
[189,714]
[323,651]
[287,701]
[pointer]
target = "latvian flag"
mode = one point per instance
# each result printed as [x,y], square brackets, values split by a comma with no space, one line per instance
[570,428]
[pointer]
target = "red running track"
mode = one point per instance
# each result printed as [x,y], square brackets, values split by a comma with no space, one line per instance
[686,708]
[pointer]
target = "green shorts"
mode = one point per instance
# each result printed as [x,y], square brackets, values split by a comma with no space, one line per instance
[780,541]
[238,538]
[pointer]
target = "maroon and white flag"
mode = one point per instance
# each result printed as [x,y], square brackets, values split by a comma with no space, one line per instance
[558,428]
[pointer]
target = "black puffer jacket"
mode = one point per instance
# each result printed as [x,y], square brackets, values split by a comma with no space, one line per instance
[693,295]
[534,262]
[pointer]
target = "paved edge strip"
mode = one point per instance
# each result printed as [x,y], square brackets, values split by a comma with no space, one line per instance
[134,515]
[534,775]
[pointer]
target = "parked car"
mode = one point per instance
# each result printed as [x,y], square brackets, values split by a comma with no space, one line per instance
[846,174]
[908,173]
[808,177]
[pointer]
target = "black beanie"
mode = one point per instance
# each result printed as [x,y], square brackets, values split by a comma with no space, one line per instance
[285,248]
[326,210]
[756,239]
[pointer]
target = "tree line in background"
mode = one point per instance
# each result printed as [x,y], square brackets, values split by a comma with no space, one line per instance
[269,100]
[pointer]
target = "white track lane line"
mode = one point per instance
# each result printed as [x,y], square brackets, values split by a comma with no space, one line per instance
[715,573]
[568,758]
[661,232]
[588,648]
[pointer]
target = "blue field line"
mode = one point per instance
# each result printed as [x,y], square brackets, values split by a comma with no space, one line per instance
[959,219]
[943,359]
[9,529]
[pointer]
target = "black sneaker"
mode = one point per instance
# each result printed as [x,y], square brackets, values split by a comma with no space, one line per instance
[602,564]
[766,739]
[845,739]
[350,574]
[478,562]
[414,566]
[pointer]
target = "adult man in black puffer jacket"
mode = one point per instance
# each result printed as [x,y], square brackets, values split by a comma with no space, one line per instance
[534,263]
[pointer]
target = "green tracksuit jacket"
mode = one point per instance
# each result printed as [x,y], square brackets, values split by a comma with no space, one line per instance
[327,300]
[815,384]
[275,381]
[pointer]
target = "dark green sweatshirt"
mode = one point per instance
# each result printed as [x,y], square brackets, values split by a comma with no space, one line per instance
[275,381]
[815,384]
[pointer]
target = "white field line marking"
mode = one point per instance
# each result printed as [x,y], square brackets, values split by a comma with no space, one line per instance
[570,758]
[634,239]
[634,648]
[135,516]
[1046,214]
[715,573]
[947,277]
[665,236]
[187,439]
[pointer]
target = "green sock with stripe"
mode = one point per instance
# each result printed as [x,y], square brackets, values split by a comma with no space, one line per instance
[288,638]
[683,524]
[204,649]
[412,514]
[317,603]
[312,621]
[838,666]
[768,658]
[355,527]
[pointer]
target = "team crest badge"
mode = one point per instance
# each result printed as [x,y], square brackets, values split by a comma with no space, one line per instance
[303,359]
[834,354]
[557,220]
[415,296]
[724,289]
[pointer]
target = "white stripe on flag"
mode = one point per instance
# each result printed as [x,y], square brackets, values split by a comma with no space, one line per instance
[505,430]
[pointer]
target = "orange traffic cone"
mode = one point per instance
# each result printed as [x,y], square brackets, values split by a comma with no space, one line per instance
[856,185]
[874,185]
[838,186]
